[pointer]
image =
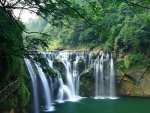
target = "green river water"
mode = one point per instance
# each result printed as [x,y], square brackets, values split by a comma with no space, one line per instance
[90,105]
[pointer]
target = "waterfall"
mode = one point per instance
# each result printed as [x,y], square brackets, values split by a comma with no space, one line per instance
[99,78]
[64,56]
[70,90]
[96,69]
[47,90]
[50,62]
[60,95]
[75,75]
[101,82]
[51,86]
[112,79]
[34,85]
[104,77]
[72,72]
[48,102]
[61,90]
[89,59]
[78,85]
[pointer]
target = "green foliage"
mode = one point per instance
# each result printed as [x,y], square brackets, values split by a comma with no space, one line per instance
[113,24]
[17,70]
[120,65]
[11,58]
[34,43]
[109,44]
[93,44]
[136,57]
[8,104]
[43,63]
[85,71]
[11,48]
[37,25]
[116,26]
[23,92]
[78,32]
[128,60]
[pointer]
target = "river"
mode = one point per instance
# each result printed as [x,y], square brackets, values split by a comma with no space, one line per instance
[90,105]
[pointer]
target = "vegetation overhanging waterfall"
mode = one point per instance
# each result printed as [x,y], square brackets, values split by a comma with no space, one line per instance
[67,86]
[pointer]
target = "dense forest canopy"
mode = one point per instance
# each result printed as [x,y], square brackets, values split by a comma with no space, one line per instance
[113,25]
[118,25]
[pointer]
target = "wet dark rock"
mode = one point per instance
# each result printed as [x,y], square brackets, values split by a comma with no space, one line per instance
[58,65]
[87,83]
[81,65]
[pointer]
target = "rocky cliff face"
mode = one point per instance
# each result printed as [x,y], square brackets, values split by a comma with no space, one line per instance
[135,82]
[87,83]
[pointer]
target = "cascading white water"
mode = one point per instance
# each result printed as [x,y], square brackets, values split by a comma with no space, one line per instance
[68,92]
[112,79]
[68,89]
[50,62]
[63,91]
[69,78]
[99,78]
[96,69]
[104,83]
[51,56]
[89,59]
[75,75]
[48,102]
[101,82]
[51,85]
[34,85]
[72,74]
[78,85]
[60,93]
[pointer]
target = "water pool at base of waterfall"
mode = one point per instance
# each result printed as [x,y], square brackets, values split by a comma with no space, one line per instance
[91,105]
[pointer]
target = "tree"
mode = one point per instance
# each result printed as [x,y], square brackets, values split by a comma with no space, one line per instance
[11,45]
[99,21]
